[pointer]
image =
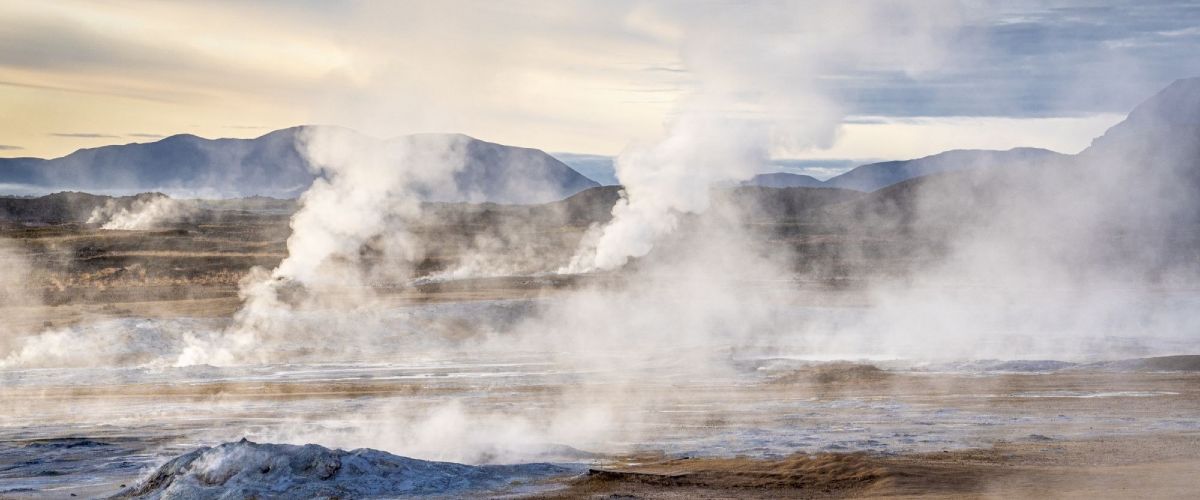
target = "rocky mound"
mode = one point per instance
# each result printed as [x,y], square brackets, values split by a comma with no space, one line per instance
[251,470]
[833,373]
[66,207]
[796,476]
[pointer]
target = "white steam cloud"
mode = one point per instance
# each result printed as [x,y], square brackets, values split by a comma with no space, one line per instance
[759,91]
[706,287]
[351,232]
[145,212]
[18,302]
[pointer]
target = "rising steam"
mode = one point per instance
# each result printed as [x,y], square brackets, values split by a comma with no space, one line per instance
[759,92]
[145,212]
[349,233]
[15,298]
[700,286]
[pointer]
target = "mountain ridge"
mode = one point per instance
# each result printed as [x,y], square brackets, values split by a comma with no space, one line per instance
[274,165]
[1165,115]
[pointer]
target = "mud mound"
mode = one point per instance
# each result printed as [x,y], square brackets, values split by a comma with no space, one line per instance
[834,373]
[823,473]
[64,443]
[251,470]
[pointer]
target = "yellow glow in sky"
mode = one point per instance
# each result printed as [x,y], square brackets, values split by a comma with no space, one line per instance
[561,76]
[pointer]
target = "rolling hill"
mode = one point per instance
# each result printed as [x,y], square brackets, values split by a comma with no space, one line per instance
[875,176]
[783,180]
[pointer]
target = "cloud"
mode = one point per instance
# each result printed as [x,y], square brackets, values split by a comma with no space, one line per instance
[901,138]
[600,167]
[84,135]
[146,136]
[5,147]
[822,169]
[611,69]
[1027,60]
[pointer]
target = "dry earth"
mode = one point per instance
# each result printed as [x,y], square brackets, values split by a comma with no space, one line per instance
[1154,466]
[82,273]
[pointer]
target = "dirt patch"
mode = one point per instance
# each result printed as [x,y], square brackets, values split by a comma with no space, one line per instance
[1126,467]
[834,373]
[824,475]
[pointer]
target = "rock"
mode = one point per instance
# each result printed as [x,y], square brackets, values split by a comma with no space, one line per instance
[248,470]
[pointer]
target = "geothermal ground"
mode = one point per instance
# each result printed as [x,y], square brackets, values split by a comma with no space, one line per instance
[899,249]
[772,424]
[126,371]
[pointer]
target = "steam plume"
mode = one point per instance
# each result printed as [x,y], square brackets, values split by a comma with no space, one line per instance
[759,92]
[349,233]
[146,212]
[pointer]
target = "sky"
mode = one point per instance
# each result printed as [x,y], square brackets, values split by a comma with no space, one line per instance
[565,76]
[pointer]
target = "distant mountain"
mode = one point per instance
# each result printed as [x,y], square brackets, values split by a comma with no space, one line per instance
[1129,203]
[601,168]
[874,176]
[502,174]
[783,180]
[273,165]
[1149,160]
[786,203]
[595,167]
[1162,133]
[267,165]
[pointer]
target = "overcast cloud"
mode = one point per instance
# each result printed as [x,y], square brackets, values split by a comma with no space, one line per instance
[579,76]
